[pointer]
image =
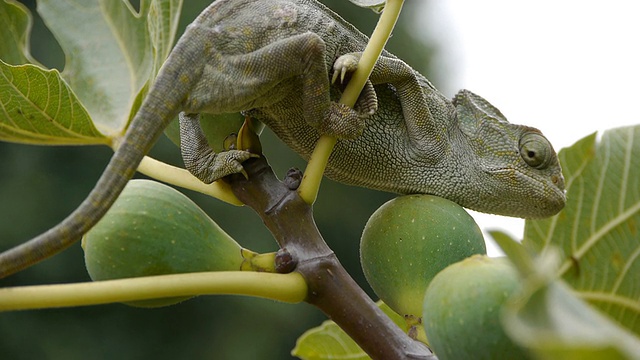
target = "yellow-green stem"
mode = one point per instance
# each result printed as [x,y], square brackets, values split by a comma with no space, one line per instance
[290,288]
[181,177]
[253,261]
[310,184]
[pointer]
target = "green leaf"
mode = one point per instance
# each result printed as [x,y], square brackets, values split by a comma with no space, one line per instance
[162,23]
[112,52]
[516,253]
[38,107]
[328,341]
[550,321]
[554,324]
[597,232]
[14,37]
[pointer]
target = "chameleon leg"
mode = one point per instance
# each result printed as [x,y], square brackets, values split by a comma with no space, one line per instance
[200,159]
[234,83]
[409,87]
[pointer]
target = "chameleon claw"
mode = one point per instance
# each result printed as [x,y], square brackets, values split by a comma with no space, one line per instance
[243,171]
[334,77]
[342,73]
[343,65]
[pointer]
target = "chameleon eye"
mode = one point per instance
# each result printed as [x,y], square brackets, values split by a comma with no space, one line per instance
[535,150]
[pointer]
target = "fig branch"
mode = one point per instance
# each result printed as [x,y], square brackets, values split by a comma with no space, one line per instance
[330,288]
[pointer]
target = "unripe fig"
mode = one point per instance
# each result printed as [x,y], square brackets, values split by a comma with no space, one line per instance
[152,229]
[462,308]
[408,240]
[216,128]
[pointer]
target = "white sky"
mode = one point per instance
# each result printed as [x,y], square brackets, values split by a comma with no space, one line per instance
[567,67]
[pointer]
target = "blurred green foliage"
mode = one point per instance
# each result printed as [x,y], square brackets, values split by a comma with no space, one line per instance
[40,186]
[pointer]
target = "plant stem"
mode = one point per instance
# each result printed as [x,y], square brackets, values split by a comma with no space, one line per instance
[319,159]
[181,177]
[289,288]
[331,289]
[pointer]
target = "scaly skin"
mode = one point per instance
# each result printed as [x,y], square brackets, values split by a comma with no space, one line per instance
[272,60]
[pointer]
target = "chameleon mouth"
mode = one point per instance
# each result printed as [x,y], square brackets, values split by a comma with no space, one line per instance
[550,190]
[555,182]
[536,196]
[559,182]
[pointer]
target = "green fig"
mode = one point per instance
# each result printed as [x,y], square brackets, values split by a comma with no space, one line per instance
[408,240]
[216,128]
[152,229]
[462,306]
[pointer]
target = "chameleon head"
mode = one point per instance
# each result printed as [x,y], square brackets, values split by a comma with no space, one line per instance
[517,170]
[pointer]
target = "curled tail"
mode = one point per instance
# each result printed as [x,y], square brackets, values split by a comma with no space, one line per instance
[161,105]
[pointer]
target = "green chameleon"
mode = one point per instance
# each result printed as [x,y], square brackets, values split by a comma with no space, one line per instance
[275,60]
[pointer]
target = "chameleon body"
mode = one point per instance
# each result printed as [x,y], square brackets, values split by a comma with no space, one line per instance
[274,60]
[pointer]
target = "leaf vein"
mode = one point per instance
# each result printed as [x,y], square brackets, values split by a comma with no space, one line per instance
[601,232]
[625,171]
[625,270]
[605,297]
[598,191]
[41,110]
[576,220]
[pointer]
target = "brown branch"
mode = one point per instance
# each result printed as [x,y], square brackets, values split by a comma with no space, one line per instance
[331,289]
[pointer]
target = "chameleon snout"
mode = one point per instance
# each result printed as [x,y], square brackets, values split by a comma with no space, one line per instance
[553,200]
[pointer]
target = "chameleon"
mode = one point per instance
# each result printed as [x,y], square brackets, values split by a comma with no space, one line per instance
[284,62]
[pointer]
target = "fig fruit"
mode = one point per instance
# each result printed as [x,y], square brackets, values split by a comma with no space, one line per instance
[216,128]
[152,229]
[408,240]
[462,306]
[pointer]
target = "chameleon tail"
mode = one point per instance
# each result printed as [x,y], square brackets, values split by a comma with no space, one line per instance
[161,105]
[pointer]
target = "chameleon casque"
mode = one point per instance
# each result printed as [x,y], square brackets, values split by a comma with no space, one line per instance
[274,60]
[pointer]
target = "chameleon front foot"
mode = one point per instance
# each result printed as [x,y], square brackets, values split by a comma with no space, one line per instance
[200,159]
[209,167]
[342,122]
[345,64]
[343,68]
[223,164]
